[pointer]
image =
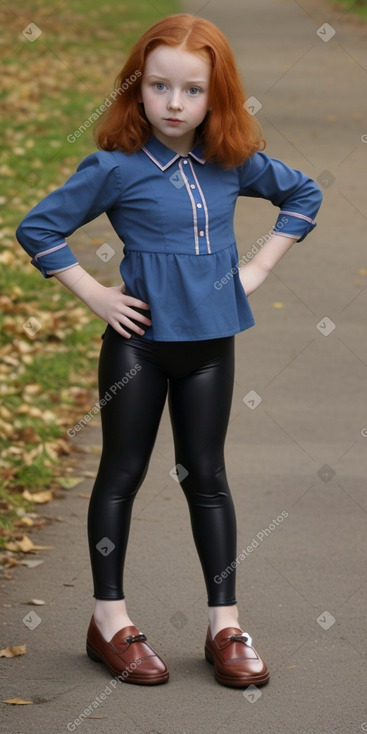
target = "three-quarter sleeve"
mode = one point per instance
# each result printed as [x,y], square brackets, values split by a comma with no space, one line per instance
[93,189]
[298,196]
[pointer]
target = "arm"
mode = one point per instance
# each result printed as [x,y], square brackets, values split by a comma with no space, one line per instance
[253,274]
[297,196]
[93,189]
[109,303]
[299,199]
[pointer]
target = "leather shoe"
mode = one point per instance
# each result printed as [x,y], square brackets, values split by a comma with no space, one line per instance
[127,655]
[236,662]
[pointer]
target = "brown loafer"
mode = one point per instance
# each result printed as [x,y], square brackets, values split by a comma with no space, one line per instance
[127,655]
[236,662]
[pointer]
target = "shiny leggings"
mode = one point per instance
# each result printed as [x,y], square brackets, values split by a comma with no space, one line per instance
[134,378]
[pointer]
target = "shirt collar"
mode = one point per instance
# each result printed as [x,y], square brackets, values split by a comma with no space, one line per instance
[163,157]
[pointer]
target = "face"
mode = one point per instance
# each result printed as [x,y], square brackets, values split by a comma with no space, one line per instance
[175,93]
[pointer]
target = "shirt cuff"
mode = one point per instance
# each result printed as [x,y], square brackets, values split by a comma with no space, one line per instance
[292,224]
[54,259]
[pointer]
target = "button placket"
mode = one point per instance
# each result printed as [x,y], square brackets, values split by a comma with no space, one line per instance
[197,203]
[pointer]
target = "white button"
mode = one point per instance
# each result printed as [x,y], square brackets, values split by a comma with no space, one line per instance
[193,186]
[201,233]
[199,206]
[185,163]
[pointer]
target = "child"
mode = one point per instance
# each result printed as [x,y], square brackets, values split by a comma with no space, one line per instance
[176,149]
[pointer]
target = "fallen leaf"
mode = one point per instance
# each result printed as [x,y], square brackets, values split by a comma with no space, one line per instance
[33,389]
[278,304]
[28,435]
[25,521]
[30,563]
[38,497]
[26,545]
[11,546]
[12,562]
[69,482]
[11,652]
[17,700]
[36,602]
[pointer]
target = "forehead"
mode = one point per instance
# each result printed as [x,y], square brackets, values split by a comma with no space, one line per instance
[174,60]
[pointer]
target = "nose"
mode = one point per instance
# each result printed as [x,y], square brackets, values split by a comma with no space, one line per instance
[174,102]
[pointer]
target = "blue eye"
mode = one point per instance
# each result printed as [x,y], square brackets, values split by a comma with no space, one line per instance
[159,86]
[194,90]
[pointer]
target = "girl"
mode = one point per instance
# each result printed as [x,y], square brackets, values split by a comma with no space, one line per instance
[176,149]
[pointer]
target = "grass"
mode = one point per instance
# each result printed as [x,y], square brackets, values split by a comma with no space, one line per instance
[49,87]
[352,7]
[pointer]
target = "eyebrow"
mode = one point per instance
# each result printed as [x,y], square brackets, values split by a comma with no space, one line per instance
[165,79]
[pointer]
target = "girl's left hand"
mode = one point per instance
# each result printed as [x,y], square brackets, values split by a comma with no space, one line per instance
[253,274]
[251,277]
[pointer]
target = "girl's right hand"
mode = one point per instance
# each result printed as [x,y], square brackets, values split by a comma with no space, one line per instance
[108,302]
[112,305]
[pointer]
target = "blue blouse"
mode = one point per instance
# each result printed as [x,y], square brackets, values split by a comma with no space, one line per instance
[174,215]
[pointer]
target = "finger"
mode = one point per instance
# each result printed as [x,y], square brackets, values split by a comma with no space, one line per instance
[131,325]
[135,302]
[130,313]
[117,327]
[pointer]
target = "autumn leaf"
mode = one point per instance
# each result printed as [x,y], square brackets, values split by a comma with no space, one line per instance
[26,545]
[36,602]
[69,482]
[30,563]
[13,651]
[17,700]
[38,497]
[24,520]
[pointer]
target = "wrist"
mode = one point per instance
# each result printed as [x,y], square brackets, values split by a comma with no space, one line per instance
[80,283]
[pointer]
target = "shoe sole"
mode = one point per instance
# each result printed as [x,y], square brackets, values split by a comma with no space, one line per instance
[140,680]
[259,680]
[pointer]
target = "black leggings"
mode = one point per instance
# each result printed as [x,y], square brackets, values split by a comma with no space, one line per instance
[134,376]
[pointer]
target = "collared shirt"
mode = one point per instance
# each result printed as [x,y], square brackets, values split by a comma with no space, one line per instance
[174,215]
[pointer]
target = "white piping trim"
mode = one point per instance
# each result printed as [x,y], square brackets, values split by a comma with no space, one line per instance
[299,216]
[200,160]
[293,236]
[51,249]
[61,270]
[157,163]
[193,204]
[205,209]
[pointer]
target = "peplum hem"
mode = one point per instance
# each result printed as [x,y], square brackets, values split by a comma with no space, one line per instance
[191,297]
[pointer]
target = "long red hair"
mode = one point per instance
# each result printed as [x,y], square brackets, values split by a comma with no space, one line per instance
[228,134]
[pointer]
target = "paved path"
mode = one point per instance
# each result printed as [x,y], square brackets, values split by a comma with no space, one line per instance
[301,451]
